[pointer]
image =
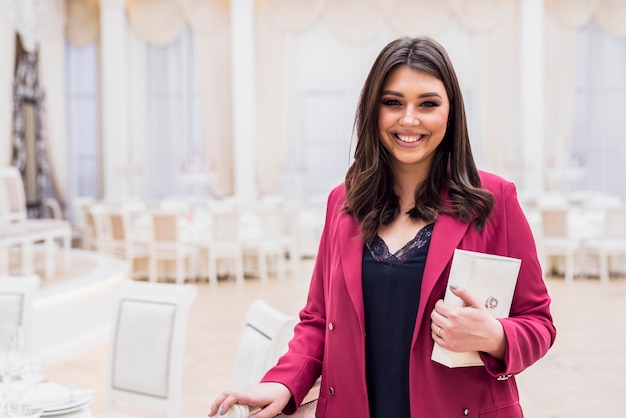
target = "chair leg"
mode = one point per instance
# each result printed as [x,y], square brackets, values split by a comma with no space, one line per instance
[212,269]
[263,268]
[280,260]
[152,269]
[569,267]
[49,256]
[239,269]
[604,266]
[180,269]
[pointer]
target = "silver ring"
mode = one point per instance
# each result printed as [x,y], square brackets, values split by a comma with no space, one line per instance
[439,332]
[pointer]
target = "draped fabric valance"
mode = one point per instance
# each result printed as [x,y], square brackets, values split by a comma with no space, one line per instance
[83,21]
[573,14]
[159,22]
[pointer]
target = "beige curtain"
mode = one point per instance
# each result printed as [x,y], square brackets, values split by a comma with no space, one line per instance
[158,22]
[83,21]
[207,17]
[571,14]
[564,19]
[560,61]
[292,15]
[214,63]
[353,21]
[210,22]
[7,52]
[611,15]
[479,16]
[496,74]
[406,17]
[272,44]
[52,80]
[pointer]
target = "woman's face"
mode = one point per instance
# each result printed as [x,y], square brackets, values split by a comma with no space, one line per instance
[412,117]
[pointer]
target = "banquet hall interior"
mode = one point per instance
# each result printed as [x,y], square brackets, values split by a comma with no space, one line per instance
[165,164]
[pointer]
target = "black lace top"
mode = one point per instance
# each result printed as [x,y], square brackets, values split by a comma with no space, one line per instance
[391,293]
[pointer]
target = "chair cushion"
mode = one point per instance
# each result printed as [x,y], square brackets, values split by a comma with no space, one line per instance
[141,360]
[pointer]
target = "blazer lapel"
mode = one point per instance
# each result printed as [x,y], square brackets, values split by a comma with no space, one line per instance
[351,246]
[447,235]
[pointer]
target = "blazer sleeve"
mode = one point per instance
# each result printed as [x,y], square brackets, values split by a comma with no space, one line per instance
[529,329]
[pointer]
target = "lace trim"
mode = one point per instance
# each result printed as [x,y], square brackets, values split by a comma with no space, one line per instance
[381,253]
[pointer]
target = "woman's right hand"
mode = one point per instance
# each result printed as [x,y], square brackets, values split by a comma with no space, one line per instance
[270,396]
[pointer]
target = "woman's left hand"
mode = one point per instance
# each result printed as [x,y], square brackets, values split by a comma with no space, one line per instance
[467,328]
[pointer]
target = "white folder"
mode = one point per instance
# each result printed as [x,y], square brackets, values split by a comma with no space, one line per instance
[491,279]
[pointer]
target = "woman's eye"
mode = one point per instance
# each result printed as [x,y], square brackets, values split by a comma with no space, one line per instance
[391,102]
[430,104]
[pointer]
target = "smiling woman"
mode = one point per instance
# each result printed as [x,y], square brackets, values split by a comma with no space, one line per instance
[375,306]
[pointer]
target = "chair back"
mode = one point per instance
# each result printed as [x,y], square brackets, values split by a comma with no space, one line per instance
[164,226]
[615,222]
[147,345]
[12,194]
[53,208]
[264,338]
[555,222]
[16,297]
[98,223]
[225,224]
[118,224]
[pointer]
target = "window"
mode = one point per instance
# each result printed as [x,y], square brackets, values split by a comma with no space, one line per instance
[174,126]
[83,126]
[598,144]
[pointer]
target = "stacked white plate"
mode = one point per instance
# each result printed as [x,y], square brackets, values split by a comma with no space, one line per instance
[58,399]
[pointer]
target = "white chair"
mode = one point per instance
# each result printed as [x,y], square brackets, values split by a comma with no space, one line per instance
[83,231]
[147,345]
[224,243]
[16,296]
[53,208]
[556,239]
[93,226]
[167,244]
[264,338]
[270,246]
[12,195]
[123,243]
[612,241]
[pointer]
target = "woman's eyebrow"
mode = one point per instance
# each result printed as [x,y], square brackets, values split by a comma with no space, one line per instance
[421,96]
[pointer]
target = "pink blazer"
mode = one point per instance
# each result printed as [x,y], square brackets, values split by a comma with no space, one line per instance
[330,338]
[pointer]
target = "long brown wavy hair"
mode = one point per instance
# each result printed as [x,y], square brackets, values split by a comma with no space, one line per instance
[370,195]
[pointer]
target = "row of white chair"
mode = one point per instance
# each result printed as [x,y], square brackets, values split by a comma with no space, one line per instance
[581,239]
[197,243]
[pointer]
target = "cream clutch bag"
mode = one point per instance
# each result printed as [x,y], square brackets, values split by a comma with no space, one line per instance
[490,278]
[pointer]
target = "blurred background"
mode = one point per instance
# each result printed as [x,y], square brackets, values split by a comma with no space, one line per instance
[161,98]
[114,111]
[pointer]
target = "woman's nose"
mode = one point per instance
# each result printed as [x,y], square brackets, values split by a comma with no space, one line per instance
[409,117]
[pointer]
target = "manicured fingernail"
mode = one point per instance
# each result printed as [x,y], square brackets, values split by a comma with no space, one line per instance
[221,411]
[454,287]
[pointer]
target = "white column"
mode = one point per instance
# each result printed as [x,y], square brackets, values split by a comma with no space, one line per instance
[533,102]
[243,98]
[7,52]
[113,89]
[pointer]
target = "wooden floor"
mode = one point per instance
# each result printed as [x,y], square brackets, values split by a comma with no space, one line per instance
[582,376]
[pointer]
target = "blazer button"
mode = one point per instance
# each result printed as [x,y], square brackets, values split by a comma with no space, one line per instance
[331,390]
[466,412]
[331,326]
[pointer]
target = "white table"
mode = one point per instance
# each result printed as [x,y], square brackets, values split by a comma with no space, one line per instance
[26,233]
